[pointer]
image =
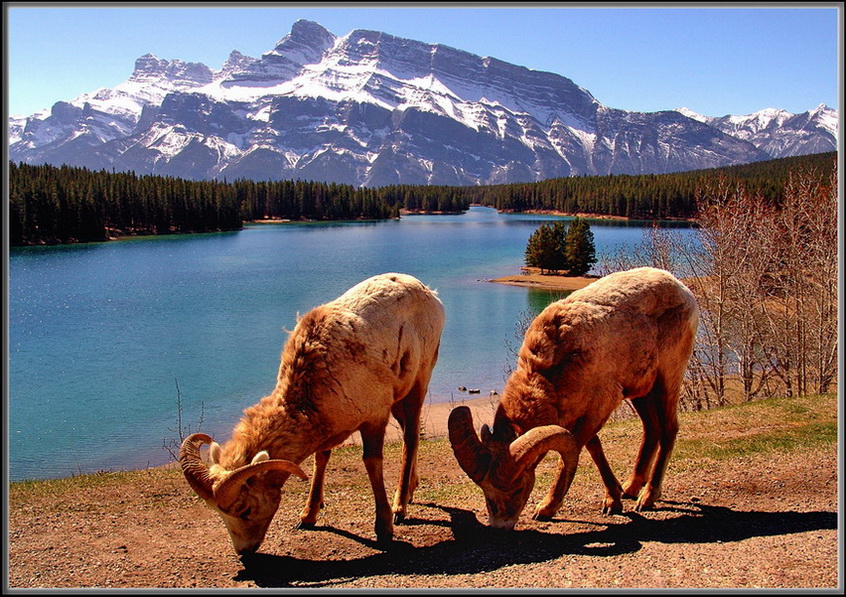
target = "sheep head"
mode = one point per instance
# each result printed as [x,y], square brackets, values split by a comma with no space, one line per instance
[246,498]
[502,464]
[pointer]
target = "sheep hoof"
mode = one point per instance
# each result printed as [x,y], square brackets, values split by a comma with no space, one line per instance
[399,517]
[611,507]
[306,526]
[384,541]
[643,505]
[542,517]
[647,499]
[384,529]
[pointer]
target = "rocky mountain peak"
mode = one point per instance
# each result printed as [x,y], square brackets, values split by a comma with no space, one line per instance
[236,62]
[309,32]
[371,109]
[306,43]
[149,68]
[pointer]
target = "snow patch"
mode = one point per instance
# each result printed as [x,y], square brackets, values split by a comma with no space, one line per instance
[693,115]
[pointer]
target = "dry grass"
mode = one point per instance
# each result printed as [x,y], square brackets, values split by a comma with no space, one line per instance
[750,501]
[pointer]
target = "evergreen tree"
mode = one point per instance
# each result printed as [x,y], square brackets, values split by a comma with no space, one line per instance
[579,248]
[562,246]
[545,249]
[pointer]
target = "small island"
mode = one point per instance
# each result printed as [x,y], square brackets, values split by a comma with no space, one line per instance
[532,278]
[559,256]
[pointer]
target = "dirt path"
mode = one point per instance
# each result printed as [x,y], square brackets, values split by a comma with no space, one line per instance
[766,519]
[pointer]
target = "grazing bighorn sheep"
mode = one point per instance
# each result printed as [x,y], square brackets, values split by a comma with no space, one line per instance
[347,366]
[628,335]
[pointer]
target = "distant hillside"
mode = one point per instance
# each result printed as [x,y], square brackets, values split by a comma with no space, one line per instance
[648,196]
[49,205]
[52,205]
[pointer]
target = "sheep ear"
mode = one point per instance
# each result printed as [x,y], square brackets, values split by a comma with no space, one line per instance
[214,453]
[503,431]
[260,457]
[486,434]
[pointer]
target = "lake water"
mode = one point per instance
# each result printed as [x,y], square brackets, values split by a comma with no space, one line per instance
[100,334]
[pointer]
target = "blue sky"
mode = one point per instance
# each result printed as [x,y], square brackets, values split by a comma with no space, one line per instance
[713,60]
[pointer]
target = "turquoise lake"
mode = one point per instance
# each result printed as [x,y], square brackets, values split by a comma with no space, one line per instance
[99,334]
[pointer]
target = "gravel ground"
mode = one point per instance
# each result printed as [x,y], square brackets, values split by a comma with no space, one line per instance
[766,519]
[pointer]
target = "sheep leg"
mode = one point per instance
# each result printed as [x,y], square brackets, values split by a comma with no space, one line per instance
[407,413]
[646,408]
[308,516]
[669,428]
[373,440]
[555,496]
[613,502]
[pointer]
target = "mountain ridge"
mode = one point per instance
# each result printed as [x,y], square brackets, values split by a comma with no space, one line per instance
[372,109]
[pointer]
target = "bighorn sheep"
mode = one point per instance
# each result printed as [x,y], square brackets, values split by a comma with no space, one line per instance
[347,366]
[628,335]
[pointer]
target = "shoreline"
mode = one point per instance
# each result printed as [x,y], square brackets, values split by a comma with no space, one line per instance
[595,216]
[434,417]
[530,278]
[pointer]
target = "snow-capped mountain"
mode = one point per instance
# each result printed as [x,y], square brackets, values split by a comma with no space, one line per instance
[373,109]
[778,132]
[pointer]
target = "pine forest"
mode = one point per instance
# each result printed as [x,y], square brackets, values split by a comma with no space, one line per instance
[58,205]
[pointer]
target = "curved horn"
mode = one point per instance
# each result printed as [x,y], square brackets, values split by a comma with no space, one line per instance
[472,456]
[195,470]
[529,449]
[228,490]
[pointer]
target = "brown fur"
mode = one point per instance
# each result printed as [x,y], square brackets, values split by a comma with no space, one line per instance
[626,336]
[346,367]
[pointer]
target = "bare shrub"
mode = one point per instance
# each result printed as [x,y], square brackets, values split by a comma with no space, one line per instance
[765,277]
[170,444]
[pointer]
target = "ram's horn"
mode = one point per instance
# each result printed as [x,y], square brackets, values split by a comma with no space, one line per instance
[195,470]
[529,449]
[471,454]
[228,490]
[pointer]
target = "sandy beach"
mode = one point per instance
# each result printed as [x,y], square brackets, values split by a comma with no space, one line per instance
[533,279]
[433,418]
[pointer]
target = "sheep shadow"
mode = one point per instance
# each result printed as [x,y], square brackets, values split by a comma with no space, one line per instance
[476,548]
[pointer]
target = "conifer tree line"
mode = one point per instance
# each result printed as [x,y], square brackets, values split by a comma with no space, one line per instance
[308,200]
[49,204]
[647,196]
